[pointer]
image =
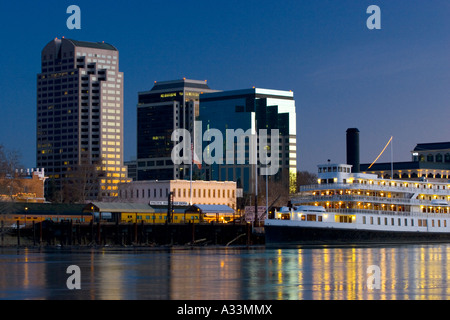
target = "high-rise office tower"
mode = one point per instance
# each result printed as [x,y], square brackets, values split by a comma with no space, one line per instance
[168,106]
[80,119]
[255,110]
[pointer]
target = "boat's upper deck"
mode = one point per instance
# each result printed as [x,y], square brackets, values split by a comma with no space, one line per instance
[339,176]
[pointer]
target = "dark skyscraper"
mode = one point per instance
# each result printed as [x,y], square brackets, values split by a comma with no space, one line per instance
[168,106]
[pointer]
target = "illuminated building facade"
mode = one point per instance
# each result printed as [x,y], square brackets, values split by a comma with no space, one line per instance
[168,106]
[23,186]
[80,117]
[157,192]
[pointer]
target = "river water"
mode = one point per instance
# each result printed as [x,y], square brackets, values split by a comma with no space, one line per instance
[256,273]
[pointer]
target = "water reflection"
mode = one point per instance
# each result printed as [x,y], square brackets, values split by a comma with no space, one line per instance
[321,273]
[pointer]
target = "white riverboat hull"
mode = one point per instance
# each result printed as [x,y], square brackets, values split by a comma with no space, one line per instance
[360,229]
[292,235]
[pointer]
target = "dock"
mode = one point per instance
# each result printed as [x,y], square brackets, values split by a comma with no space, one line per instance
[67,233]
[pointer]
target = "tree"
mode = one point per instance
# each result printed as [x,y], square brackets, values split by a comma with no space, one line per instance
[9,171]
[277,192]
[305,178]
[81,183]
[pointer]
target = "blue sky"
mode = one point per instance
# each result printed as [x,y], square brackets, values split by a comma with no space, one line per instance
[389,82]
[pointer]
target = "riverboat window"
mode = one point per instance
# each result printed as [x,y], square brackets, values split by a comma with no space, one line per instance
[385,221]
[392,221]
[364,219]
[445,223]
[399,221]
[311,217]
[343,219]
[412,222]
[439,223]
[319,218]
[406,222]
[379,220]
[371,220]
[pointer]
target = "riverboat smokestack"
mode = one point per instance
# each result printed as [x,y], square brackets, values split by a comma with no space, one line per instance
[353,148]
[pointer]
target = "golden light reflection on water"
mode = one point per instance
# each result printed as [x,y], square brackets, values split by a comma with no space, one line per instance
[319,273]
[406,272]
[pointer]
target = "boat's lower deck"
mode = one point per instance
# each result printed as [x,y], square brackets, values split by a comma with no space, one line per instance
[297,235]
[335,227]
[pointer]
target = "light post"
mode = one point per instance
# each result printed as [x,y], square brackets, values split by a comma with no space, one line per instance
[26,210]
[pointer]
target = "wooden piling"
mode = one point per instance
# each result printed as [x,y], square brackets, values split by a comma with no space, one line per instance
[99,241]
[18,233]
[34,233]
[40,233]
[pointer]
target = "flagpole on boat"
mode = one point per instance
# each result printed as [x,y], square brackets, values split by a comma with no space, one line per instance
[392,158]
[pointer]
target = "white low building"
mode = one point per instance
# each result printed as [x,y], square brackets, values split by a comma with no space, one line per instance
[157,192]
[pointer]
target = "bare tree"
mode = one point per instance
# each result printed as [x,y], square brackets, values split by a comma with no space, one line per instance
[277,192]
[9,168]
[305,178]
[81,183]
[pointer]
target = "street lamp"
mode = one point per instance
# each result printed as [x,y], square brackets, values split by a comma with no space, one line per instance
[26,210]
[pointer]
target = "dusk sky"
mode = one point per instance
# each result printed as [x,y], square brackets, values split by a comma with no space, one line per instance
[389,82]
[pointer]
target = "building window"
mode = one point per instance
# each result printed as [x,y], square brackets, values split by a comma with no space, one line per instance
[447,158]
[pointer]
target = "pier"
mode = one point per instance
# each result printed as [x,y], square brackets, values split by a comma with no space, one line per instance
[67,233]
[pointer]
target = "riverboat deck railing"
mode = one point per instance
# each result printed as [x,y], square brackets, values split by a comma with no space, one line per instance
[434,189]
[357,211]
[360,198]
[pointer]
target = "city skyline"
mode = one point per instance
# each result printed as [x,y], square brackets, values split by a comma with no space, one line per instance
[342,74]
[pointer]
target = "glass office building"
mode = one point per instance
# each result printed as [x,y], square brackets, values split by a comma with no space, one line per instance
[253,109]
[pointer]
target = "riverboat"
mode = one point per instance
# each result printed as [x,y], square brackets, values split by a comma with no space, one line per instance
[358,208]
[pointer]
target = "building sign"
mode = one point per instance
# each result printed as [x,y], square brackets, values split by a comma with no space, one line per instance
[165,203]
